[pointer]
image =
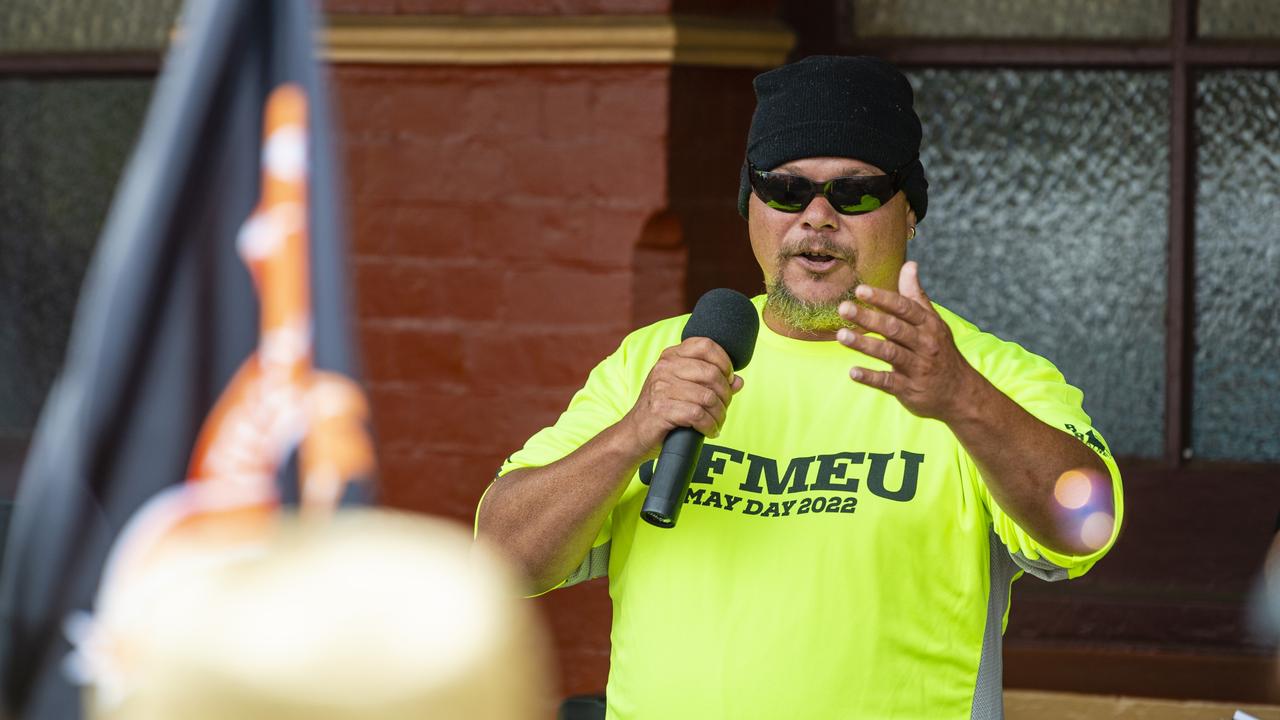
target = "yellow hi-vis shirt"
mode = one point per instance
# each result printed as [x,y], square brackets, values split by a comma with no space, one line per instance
[836,557]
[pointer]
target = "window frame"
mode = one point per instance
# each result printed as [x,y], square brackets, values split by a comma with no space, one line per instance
[102,65]
[1166,614]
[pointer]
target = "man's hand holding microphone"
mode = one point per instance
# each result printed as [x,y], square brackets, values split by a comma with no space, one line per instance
[546,518]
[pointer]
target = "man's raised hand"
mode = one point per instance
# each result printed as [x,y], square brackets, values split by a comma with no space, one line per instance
[929,377]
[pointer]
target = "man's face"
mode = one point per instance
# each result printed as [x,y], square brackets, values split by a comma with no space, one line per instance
[812,260]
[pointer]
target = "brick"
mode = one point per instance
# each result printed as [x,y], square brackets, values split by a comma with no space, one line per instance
[414,230]
[527,7]
[430,7]
[448,485]
[545,234]
[407,170]
[566,296]
[413,355]
[428,107]
[568,232]
[549,170]
[566,7]
[401,100]
[535,408]
[567,110]
[620,227]
[455,420]
[637,7]
[511,106]
[660,284]
[629,171]
[549,359]
[765,9]
[662,230]
[614,171]
[366,162]
[428,291]
[359,7]
[580,619]
[481,418]
[635,107]
[364,106]
[453,170]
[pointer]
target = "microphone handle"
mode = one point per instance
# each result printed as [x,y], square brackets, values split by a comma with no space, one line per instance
[671,477]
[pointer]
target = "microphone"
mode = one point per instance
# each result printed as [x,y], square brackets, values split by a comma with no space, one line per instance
[727,318]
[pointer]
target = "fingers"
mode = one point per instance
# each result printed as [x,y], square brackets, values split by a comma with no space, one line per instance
[891,352]
[903,317]
[706,349]
[885,381]
[893,303]
[691,385]
[703,374]
[698,407]
[909,284]
[679,403]
[893,327]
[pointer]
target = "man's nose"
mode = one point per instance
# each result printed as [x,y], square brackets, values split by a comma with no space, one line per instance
[819,214]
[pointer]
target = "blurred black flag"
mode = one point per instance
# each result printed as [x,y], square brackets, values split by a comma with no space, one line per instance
[211,340]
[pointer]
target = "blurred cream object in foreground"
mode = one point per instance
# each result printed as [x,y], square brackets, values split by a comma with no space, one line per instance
[370,613]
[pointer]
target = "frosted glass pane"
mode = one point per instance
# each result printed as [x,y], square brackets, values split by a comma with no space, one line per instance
[1049,19]
[1238,18]
[1047,225]
[1236,396]
[63,144]
[97,25]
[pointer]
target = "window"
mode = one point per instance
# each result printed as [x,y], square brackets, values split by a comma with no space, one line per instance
[75,79]
[1105,184]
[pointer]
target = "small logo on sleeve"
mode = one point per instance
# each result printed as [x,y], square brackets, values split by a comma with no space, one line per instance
[1090,438]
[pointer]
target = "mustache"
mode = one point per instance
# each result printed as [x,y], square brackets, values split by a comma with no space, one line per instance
[819,245]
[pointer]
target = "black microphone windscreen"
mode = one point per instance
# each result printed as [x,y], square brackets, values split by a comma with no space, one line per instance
[729,319]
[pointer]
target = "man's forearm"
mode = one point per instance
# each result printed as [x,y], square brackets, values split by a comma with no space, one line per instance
[1022,460]
[546,518]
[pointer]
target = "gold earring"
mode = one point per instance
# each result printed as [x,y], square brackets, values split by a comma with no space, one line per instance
[911,233]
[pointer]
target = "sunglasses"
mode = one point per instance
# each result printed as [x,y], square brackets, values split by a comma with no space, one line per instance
[853,195]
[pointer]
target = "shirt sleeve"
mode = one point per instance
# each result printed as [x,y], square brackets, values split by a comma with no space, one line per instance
[1036,385]
[601,402]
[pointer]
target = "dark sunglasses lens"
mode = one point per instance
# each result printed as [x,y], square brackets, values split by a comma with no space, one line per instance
[788,193]
[858,195]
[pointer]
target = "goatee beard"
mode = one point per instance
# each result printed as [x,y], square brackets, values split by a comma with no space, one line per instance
[802,315]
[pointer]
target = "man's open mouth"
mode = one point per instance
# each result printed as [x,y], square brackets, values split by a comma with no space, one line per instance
[818,262]
[817,257]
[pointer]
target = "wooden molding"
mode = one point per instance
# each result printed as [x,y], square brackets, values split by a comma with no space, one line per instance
[534,40]
[1037,705]
[80,64]
[1171,675]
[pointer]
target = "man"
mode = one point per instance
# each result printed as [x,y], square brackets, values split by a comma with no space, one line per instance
[872,482]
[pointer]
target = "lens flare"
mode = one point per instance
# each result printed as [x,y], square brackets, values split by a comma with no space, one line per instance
[1096,530]
[1073,489]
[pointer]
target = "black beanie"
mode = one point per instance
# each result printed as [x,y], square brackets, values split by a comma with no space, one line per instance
[832,106]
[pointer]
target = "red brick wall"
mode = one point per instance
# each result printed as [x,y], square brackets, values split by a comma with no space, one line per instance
[511,225]
[509,228]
